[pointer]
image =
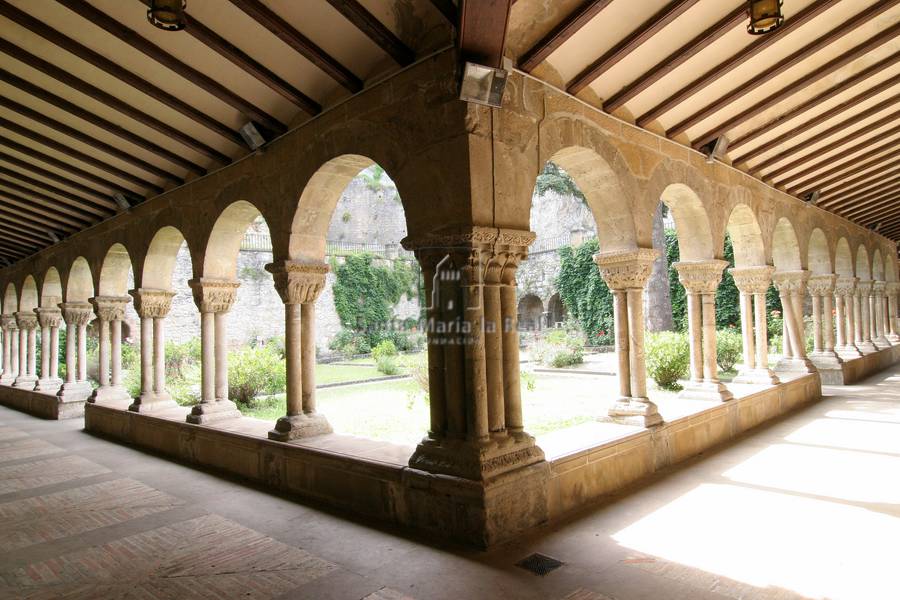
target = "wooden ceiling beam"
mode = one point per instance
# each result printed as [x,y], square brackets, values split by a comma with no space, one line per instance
[115,103]
[819,99]
[281,29]
[679,57]
[190,74]
[639,36]
[101,123]
[64,166]
[852,103]
[43,224]
[20,251]
[41,206]
[482,31]
[448,10]
[13,231]
[878,161]
[375,30]
[842,60]
[558,36]
[885,206]
[844,168]
[99,61]
[835,196]
[84,139]
[886,120]
[859,207]
[65,197]
[100,199]
[735,61]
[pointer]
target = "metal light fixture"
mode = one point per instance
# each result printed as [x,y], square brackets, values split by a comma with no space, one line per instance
[122,202]
[483,85]
[716,149]
[168,15]
[813,197]
[765,16]
[252,136]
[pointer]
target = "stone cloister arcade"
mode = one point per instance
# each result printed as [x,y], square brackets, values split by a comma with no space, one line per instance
[465,175]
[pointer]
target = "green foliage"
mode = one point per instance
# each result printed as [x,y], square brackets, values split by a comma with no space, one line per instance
[365,293]
[668,358]
[254,371]
[559,348]
[729,347]
[584,293]
[385,348]
[528,380]
[373,177]
[180,357]
[346,217]
[676,290]
[554,178]
[728,298]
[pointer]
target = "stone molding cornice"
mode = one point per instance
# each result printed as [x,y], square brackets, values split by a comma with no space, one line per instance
[110,308]
[878,288]
[626,269]
[700,277]
[892,287]
[76,313]
[845,286]
[298,282]
[48,317]
[8,322]
[752,280]
[152,303]
[26,320]
[214,295]
[472,236]
[821,285]
[791,282]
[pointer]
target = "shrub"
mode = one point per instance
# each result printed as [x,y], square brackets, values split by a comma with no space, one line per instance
[180,356]
[419,371]
[384,349]
[560,348]
[254,371]
[668,358]
[729,347]
[387,364]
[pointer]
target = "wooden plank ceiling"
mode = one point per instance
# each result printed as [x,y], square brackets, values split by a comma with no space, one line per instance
[96,102]
[812,106]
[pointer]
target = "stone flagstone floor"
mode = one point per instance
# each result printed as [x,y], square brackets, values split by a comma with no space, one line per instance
[808,507]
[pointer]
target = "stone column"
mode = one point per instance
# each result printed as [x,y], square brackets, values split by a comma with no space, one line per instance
[791,286]
[299,285]
[152,306]
[465,437]
[76,387]
[879,337]
[213,298]
[626,273]
[821,290]
[27,323]
[110,311]
[752,283]
[864,336]
[891,290]
[845,292]
[48,319]
[700,280]
[8,323]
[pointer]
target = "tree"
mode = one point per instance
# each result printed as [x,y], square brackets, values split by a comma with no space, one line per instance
[584,293]
[554,178]
[728,299]
[658,315]
[365,293]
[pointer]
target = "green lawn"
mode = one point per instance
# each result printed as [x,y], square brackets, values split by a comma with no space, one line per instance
[329,373]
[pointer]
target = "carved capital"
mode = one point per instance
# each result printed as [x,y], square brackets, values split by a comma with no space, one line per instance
[821,285]
[152,303]
[8,322]
[110,308]
[298,282]
[878,288]
[892,287]
[626,269]
[76,314]
[701,277]
[467,236]
[26,320]
[864,288]
[791,282]
[752,280]
[845,286]
[48,317]
[214,295]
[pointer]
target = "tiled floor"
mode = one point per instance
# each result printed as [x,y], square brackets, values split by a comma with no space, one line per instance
[807,507]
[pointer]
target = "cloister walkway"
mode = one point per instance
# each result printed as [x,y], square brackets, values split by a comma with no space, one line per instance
[808,506]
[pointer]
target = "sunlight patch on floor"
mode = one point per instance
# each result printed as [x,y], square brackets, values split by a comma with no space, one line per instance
[853,435]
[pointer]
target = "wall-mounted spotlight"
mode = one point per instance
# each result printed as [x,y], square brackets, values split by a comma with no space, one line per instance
[765,16]
[876,227]
[52,235]
[812,197]
[483,85]
[168,15]
[252,137]
[122,202]
[715,149]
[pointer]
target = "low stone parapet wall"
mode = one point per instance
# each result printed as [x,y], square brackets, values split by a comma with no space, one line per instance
[40,404]
[857,369]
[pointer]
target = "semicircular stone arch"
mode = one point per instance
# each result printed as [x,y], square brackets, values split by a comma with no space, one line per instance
[863,267]
[746,237]
[224,243]
[51,288]
[877,265]
[10,299]
[818,254]
[28,299]
[78,285]
[114,271]
[692,226]
[160,259]
[786,247]
[843,259]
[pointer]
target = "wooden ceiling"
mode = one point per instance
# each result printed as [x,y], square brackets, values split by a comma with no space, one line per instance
[96,102]
[812,106]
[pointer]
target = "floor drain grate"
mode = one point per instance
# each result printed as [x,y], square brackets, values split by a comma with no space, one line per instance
[539,564]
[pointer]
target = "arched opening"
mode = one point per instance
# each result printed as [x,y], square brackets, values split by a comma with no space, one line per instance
[79,284]
[10,300]
[788,263]
[29,298]
[10,335]
[746,237]
[863,267]
[786,247]
[819,256]
[877,266]
[531,313]
[51,289]
[843,259]
[556,311]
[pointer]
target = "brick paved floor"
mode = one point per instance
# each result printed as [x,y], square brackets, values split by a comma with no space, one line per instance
[807,507]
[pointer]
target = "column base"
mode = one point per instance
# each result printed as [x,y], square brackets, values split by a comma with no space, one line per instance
[706,390]
[48,385]
[866,347]
[478,461]
[148,403]
[881,343]
[300,426]
[109,393]
[7,379]
[893,338]
[757,377]
[795,365]
[25,382]
[635,411]
[826,360]
[76,391]
[210,412]
[848,352]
